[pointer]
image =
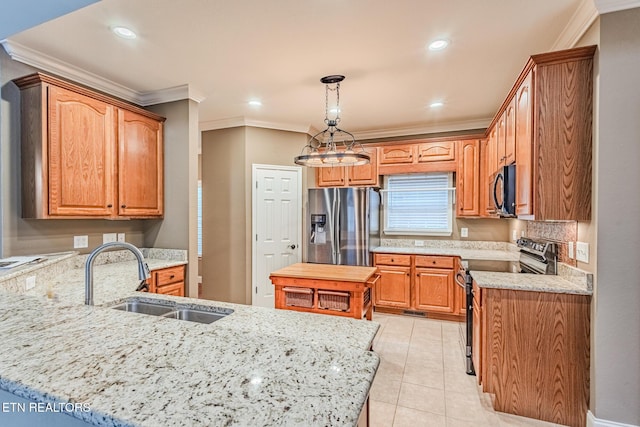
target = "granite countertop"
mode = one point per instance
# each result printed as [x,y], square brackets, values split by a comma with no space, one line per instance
[256,366]
[528,282]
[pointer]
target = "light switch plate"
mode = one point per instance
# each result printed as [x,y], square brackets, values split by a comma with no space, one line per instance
[30,282]
[582,252]
[464,232]
[514,235]
[80,242]
[418,242]
[121,237]
[109,237]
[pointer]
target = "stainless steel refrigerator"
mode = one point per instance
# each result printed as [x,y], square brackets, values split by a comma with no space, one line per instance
[343,225]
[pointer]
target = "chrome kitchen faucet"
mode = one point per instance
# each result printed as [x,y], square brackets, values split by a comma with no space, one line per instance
[143,268]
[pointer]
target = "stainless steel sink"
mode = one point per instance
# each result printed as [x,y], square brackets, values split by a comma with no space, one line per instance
[194,315]
[144,307]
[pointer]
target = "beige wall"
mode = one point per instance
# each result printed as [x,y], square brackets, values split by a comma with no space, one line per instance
[178,229]
[20,236]
[491,230]
[227,159]
[616,316]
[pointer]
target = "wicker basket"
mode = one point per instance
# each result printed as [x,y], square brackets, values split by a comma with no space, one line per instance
[333,300]
[298,297]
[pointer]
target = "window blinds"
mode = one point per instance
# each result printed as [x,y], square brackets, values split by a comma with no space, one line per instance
[419,203]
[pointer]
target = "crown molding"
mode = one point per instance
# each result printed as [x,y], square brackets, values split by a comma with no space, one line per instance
[240,121]
[580,21]
[52,65]
[607,6]
[422,129]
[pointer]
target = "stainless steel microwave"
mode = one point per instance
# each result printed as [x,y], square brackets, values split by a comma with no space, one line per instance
[504,191]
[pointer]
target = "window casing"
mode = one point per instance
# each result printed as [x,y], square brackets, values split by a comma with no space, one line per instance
[420,204]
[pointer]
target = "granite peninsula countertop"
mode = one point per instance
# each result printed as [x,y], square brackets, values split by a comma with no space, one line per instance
[257,366]
[528,282]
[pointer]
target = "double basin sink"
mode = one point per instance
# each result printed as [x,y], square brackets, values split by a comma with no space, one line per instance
[199,314]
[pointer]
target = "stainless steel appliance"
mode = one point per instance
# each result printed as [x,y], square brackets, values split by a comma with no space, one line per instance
[504,191]
[536,257]
[343,225]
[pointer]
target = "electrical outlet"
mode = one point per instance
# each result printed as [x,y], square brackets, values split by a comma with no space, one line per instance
[464,232]
[582,252]
[30,282]
[418,242]
[121,237]
[522,233]
[570,249]
[514,235]
[109,237]
[80,242]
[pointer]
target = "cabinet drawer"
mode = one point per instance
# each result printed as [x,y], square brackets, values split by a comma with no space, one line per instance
[436,151]
[169,275]
[434,261]
[176,289]
[397,154]
[392,259]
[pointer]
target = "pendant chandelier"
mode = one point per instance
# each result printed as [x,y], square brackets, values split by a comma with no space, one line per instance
[332,146]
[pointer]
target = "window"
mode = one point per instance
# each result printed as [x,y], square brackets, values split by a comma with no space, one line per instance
[418,204]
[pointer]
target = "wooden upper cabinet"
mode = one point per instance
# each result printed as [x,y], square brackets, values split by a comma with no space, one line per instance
[417,156]
[436,151]
[492,151]
[468,178]
[85,154]
[524,147]
[81,155]
[365,174]
[397,154]
[500,141]
[140,166]
[355,176]
[510,133]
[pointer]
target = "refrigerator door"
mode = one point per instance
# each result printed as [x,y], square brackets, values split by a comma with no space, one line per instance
[353,226]
[322,228]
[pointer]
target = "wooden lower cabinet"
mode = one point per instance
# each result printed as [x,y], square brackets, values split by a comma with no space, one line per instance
[417,283]
[168,281]
[394,287]
[534,353]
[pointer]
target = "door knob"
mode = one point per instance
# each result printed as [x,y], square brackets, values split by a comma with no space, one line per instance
[292,246]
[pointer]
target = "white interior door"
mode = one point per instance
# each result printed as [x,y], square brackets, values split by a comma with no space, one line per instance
[277,226]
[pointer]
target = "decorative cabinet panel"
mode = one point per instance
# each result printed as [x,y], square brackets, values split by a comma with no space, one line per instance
[397,154]
[437,151]
[85,155]
[417,282]
[509,139]
[350,176]
[524,147]
[468,179]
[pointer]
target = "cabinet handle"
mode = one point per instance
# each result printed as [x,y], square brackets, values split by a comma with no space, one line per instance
[408,275]
[391,259]
[123,206]
[109,205]
[172,276]
[433,262]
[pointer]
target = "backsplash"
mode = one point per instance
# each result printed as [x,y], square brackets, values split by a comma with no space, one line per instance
[559,232]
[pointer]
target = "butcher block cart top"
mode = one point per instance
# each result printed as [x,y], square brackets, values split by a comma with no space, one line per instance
[339,290]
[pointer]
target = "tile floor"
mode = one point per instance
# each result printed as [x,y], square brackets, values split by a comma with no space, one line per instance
[421,380]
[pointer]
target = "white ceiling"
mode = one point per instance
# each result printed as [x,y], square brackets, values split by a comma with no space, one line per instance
[276,51]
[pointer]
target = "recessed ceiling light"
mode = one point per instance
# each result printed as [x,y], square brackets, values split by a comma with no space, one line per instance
[255,103]
[436,104]
[124,32]
[438,44]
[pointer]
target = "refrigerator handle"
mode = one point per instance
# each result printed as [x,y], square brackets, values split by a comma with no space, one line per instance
[336,228]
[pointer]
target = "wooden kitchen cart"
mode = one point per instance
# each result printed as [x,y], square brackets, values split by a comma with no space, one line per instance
[339,290]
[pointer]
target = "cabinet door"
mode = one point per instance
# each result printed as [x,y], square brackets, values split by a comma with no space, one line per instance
[524,148]
[394,287]
[489,174]
[397,154]
[436,151]
[140,165]
[175,289]
[365,174]
[468,178]
[81,155]
[434,290]
[510,133]
[331,177]
[501,141]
